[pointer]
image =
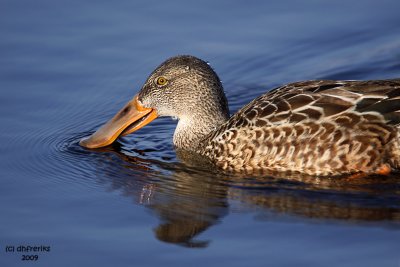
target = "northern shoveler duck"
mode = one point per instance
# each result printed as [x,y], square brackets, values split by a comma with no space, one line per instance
[313,127]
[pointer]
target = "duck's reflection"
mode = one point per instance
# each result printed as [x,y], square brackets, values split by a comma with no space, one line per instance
[189,200]
[187,206]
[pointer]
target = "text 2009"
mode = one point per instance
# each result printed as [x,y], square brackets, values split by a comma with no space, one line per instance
[30,257]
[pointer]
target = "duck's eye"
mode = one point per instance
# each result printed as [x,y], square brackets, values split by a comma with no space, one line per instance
[161,81]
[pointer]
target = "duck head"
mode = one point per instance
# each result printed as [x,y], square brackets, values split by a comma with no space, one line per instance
[183,87]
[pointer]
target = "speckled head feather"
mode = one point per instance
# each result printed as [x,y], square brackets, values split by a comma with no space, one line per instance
[312,127]
[192,93]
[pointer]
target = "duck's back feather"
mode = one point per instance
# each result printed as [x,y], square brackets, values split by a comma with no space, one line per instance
[317,127]
[321,99]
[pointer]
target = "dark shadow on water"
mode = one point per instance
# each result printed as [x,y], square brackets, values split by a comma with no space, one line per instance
[189,199]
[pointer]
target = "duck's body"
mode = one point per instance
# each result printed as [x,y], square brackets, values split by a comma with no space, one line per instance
[313,127]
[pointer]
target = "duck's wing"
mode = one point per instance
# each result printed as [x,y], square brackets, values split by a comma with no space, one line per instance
[317,100]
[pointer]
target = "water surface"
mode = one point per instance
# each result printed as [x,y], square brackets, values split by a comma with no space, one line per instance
[67,66]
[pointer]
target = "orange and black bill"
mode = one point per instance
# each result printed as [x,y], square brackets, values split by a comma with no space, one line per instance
[130,118]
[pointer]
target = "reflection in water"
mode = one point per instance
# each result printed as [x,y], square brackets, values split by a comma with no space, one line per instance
[187,207]
[188,199]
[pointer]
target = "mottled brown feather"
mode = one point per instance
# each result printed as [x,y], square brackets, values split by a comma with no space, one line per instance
[314,127]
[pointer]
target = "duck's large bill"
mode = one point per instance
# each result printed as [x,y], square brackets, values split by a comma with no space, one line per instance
[130,118]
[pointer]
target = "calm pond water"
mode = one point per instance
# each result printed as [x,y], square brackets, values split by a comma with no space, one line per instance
[67,66]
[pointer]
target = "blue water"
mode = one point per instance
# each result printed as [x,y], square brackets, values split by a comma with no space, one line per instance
[67,66]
